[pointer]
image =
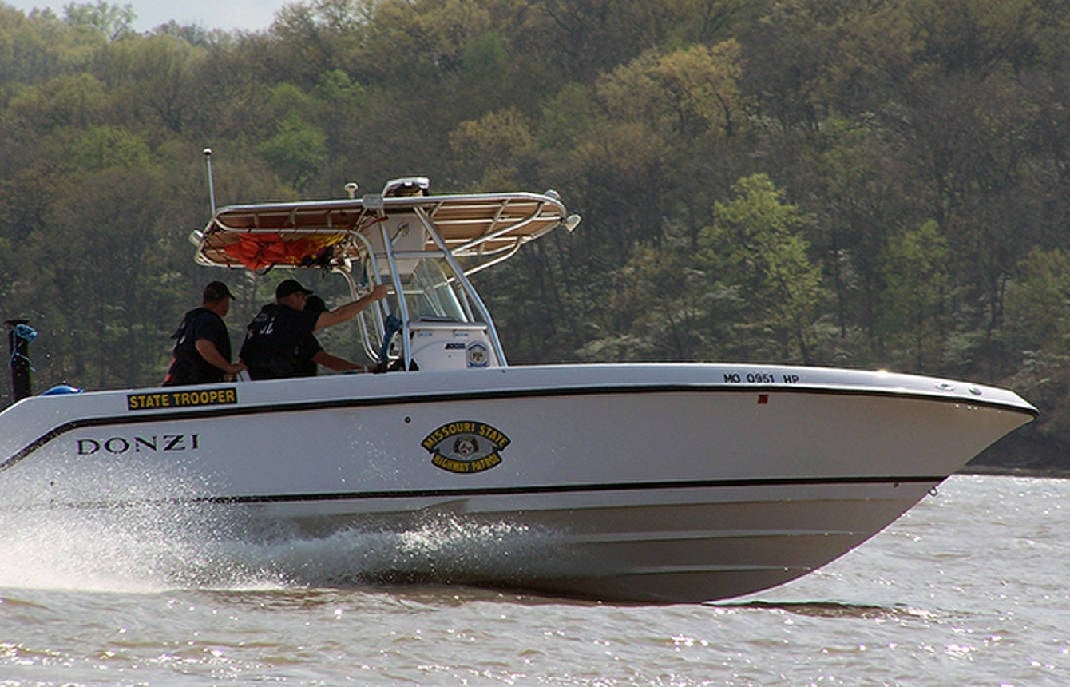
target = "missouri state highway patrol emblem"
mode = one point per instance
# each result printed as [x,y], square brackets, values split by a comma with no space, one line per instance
[465,446]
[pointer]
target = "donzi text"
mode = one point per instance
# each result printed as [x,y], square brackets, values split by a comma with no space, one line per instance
[155,443]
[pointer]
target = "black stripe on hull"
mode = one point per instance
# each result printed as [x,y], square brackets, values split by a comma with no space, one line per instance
[643,486]
[894,481]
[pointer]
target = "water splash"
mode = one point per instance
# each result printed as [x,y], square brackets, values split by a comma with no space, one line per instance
[141,548]
[169,536]
[170,544]
[447,549]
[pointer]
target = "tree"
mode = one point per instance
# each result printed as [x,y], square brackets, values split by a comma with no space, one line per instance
[1038,303]
[319,36]
[493,150]
[654,310]
[688,92]
[1038,326]
[76,101]
[755,245]
[104,147]
[112,21]
[912,306]
[297,147]
[154,79]
[856,171]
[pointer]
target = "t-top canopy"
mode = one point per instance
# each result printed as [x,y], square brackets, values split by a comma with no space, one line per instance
[324,233]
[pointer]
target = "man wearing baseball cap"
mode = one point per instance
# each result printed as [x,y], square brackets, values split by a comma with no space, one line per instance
[201,354]
[275,334]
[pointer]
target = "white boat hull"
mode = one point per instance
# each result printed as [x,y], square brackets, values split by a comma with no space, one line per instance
[661,483]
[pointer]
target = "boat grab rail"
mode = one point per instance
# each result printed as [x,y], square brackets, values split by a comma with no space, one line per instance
[406,351]
[382,306]
[470,290]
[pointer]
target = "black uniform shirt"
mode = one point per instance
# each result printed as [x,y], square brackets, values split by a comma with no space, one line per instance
[271,343]
[188,367]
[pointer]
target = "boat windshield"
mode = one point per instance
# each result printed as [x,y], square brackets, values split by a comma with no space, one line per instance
[431,295]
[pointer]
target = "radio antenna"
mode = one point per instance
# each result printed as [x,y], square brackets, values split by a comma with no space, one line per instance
[211,187]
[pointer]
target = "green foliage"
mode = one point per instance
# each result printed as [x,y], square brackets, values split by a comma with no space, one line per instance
[295,151]
[154,79]
[756,246]
[916,276]
[493,150]
[297,147]
[1038,302]
[484,56]
[661,299]
[112,21]
[749,291]
[78,101]
[687,92]
[104,147]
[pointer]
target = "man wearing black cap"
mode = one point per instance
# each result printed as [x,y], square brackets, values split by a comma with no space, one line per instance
[276,333]
[202,344]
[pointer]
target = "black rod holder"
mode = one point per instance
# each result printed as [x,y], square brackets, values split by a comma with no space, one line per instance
[19,336]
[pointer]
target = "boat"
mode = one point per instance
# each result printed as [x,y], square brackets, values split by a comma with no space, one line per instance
[650,483]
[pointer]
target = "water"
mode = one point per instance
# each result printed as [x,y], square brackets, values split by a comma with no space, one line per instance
[967,589]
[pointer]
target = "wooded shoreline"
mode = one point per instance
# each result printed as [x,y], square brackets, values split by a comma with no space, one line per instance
[1023,453]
